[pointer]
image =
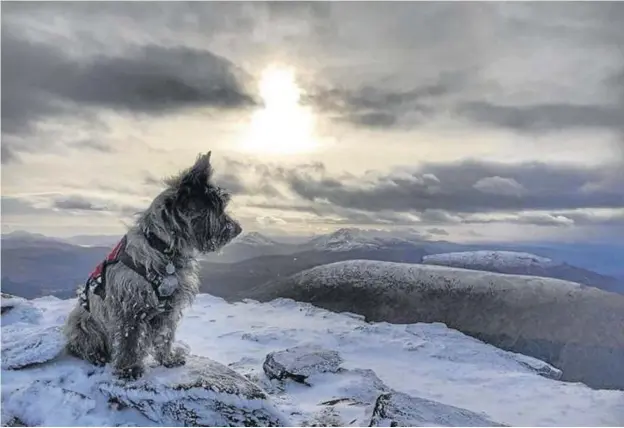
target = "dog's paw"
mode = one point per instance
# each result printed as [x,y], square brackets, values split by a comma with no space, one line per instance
[98,359]
[177,358]
[129,373]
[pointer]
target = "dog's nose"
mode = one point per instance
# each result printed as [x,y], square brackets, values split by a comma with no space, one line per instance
[237,230]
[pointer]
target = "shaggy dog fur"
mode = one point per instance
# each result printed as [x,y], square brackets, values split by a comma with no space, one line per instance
[128,323]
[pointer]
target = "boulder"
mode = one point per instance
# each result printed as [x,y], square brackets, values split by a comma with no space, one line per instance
[200,393]
[25,345]
[16,309]
[396,409]
[300,362]
[8,302]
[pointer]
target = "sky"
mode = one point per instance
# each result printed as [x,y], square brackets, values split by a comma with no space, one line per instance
[459,121]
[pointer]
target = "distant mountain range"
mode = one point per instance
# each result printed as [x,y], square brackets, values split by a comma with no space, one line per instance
[35,265]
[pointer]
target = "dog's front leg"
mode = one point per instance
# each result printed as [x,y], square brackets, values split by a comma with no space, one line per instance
[164,328]
[129,346]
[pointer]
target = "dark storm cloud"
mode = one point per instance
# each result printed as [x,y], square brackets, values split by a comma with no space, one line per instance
[39,80]
[8,155]
[545,117]
[77,203]
[440,191]
[377,107]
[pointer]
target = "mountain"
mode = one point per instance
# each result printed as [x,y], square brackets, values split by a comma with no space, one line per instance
[423,374]
[254,239]
[348,239]
[512,262]
[233,280]
[22,239]
[249,246]
[94,240]
[35,266]
[576,328]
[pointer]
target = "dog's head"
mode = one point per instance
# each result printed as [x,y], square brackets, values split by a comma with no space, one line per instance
[194,208]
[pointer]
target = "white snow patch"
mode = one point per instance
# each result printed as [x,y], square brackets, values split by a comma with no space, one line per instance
[501,259]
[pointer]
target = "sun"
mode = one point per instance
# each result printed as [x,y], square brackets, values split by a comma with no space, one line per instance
[282,125]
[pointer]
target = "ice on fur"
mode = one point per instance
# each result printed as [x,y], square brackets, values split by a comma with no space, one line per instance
[130,321]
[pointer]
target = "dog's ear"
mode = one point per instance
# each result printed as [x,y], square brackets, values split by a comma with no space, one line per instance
[200,173]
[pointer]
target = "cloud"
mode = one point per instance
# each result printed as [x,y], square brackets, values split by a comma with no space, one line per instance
[41,80]
[499,186]
[76,203]
[437,193]
[93,144]
[545,117]
[437,231]
[380,107]
[547,187]
[8,155]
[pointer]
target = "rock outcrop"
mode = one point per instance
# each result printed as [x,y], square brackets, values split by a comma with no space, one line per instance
[18,310]
[201,393]
[301,362]
[24,345]
[396,409]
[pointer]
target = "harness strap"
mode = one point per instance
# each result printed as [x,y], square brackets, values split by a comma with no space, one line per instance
[163,286]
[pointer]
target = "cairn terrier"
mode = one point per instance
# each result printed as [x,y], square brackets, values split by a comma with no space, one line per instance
[133,301]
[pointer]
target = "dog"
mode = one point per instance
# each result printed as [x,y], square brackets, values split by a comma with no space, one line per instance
[133,301]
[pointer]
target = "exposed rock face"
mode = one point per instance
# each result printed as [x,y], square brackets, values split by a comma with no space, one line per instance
[396,409]
[300,362]
[23,346]
[201,393]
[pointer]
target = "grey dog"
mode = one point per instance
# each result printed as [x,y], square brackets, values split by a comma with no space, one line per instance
[151,276]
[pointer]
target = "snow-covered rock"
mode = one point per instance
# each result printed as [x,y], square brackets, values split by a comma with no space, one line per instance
[300,362]
[18,310]
[396,409]
[24,345]
[201,393]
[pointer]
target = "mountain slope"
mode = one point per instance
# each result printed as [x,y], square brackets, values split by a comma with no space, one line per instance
[426,361]
[233,280]
[518,263]
[42,268]
[576,328]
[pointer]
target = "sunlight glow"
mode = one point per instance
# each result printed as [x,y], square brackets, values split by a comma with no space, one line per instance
[283,125]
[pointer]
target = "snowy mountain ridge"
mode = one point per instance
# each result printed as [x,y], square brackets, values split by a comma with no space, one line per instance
[348,239]
[435,375]
[489,258]
[255,239]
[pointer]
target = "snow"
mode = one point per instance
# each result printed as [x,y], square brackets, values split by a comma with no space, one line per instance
[254,239]
[26,345]
[348,239]
[500,259]
[429,362]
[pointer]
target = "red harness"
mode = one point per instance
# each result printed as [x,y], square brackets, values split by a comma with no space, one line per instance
[96,283]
